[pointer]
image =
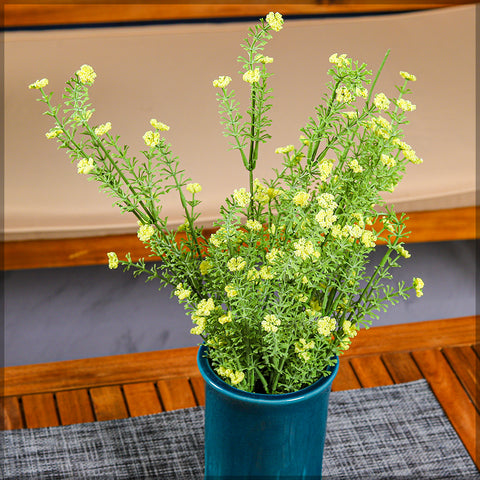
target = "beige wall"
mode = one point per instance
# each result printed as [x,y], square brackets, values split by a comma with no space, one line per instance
[166,72]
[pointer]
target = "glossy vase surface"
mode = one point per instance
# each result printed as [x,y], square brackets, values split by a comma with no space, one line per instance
[259,436]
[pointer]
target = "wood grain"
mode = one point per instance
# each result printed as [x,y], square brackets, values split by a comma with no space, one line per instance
[371,372]
[74,407]
[108,403]
[346,378]
[176,393]
[198,387]
[84,12]
[40,410]
[449,392]
[11,418]
[438,225]
[142,399]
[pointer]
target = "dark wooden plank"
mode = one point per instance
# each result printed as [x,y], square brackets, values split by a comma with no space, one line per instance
[371,371]
[176,393]
[466,365]
[40,410]
[401,367]
[346,378]
[198,387]
[108,403]
[74,406]
[12,414]
[453,398]
[142,399]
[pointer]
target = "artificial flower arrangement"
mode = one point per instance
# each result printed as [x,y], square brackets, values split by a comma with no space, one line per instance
[281,287]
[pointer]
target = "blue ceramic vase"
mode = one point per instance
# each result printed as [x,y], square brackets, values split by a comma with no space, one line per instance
[260,436]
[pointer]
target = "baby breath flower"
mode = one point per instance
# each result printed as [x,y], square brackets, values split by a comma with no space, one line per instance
[411,155]
[39,84]
[287,149]
[369,239]
[112,260]
[159,125]
[301,199]
[302,347]
[241,197]
[325,168]
[237,377]
[349,329]
[253,275]
[102,129]
[408,76]
[339,60]
[194,188]
[326,218]
[181,292]
[350,115]
[53,133]
[326,325]
[387,161]
[418,286]
[225,318]
[251,76]
[354,231]
[272,255]
[85,166]
[263,59]
[231,292]
[271,323]
[403,252]
[355,166]
[406,105]
[343,95]
[327,200]
[222,81]
[266,272]
[303,248]
[361,92]
[151,139]
[86,74]
[200,328]
[275,21]
[381,101]
[253,225]
[204,308]
[145,232]
[236,264]
[205,266]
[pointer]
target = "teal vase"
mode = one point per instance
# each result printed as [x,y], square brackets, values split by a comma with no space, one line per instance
[260,436]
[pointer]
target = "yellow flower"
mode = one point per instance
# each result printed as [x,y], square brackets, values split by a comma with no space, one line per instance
[85,166]
[349,329]
[287,149]
[194,188]
[408,76]
[112,260]
[222,82]
[387,161]
[253,225]
[326,325]
[231,292]
[301,199]
[225,318]
[271,323]
[145,232]
[181,292]
[325,168]
[39,84]
[272,255]
[241,197]
[159,125]
[381,101]
[302,347]
[275,21]
[86,74]
[339,60]
[252,76]
[263,59]
[406,105]
[361,92]
[237,377]
[204,308]
[303,248]
[104,128]
[199,329]
[325,218]
[205,266]
[53,133]
[343,95]
[355,166]
[151,139]
[369,239]
[266,272]
[418,286]
[403,252]
[236,264]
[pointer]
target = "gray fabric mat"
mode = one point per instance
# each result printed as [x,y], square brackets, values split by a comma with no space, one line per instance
[391,432]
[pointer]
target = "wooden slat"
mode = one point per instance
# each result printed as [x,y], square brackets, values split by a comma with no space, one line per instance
[142,399]
[346,378]
[11,414]
[81,12]
[108,403]
[74,407]
[91,372]
[371,371]
[466,366]
[438,225]
[40,410]
[401,367]
[449,392]
[198,386]
[176,393]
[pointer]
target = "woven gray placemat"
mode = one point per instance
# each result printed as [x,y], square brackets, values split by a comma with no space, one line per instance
[393,432]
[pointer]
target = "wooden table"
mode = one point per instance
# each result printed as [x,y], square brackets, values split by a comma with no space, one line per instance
[444,352]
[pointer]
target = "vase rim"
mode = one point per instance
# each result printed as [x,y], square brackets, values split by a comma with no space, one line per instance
[280,398]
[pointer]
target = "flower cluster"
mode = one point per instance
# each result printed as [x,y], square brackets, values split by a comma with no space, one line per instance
[282,286]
